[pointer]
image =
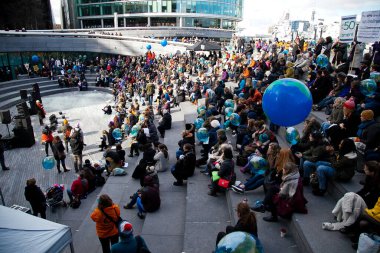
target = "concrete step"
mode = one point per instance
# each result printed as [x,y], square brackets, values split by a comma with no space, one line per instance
[15,92]
[22,81]
[24,86]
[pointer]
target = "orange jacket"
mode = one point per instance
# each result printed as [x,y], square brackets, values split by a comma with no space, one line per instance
[47,137]
[104,227]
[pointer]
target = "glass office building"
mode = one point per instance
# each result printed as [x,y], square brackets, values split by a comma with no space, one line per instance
[219,14]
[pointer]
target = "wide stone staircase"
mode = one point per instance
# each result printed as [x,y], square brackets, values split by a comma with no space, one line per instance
[189,219]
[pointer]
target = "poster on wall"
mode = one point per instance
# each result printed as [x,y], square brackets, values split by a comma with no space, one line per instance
[347,29]
[369,27]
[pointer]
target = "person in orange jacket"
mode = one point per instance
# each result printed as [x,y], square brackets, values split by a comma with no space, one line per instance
[106,216]
[47,139]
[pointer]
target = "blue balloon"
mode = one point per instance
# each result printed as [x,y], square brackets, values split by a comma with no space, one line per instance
[258,163]
[241,95]
[198,122]
[226,124]
[48,163]
[134,131]
[164,43]
[285,51]
[202,134]
[149,47]
[263,137]
[200,108]
[237,242]
[235,119]
[375,76]
[229,103]
[35,58]
[322,61]
[287,102]
[117,134]
[368,87]
[228,111]
[292,136]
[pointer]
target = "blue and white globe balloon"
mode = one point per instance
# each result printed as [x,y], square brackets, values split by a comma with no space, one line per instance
[198,122]
[292,136]
[117,134]
[235,119]
[322,61]
[48,163]
[202,134]
[368,87]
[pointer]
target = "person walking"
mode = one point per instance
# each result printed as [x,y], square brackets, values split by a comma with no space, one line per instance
[2,159]
[36,198]
[105,215]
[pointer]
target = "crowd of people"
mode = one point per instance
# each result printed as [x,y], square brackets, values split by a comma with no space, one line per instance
[151,85]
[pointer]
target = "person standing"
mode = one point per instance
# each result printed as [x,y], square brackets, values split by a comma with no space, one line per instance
[76,144]
[128,242]
[36,197]
[40,111]
[105,216]
[2,160]
[59,154]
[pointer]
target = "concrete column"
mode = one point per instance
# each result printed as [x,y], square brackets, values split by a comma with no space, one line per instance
[180,21]
[115,21]
[148,21]
[125,23]
[102,23]
[81,24]
[221,24]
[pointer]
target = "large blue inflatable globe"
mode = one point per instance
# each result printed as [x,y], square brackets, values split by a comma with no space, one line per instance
[237,242]
[229,103]
[287,102]
[35,58]
[235,119]
[322,61]
[226,124]
[368,87]
[164,43]
[292,136]
[200,108]
[228,111]
[202,134]
[258,163]
[116,133]
[198,122]
[149,47]
[134,131]
[375,76]
[48,163]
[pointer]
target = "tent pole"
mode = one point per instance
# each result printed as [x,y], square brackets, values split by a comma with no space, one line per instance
[72,247]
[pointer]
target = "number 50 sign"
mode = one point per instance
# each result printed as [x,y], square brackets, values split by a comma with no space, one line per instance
[347,29]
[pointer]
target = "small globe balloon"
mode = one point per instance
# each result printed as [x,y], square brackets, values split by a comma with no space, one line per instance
[258,163]
[198,122]
[164,43]
[210,93]
[134,131]
[200,108]
[368,87]
[263,137]
[226,124]
[237,242]
[235,119]
[228,111]
[375,76]
[35,58]
[48,163]
[287,102]
[149,47]
[292,136]
[322,61]
[285,51]
[117,134]
[69,71]
[229,103]
[202,134]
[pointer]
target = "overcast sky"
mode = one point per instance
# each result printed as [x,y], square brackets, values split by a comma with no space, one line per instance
[258,15]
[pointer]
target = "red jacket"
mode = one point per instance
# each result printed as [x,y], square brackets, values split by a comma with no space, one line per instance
[79,187]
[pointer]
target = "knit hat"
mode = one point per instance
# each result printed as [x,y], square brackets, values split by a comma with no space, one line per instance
[349,104]
[125,228]
[65,122]
[215,123]
[367,115]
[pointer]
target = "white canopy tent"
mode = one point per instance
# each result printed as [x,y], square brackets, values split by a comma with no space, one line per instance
[22,232]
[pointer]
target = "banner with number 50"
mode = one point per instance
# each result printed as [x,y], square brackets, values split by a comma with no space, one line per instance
[347,29]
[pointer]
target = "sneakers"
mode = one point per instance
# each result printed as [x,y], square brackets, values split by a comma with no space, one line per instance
[237,189]
[141,215]
[128,207]
[66,170]
[6,168]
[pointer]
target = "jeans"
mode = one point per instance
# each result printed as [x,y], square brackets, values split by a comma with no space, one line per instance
[105,242]
[140,206]
[78,162]
[47,147]
[326,101]
[324,126]
[309,167]
[70,194]
[324,172]
[254,182]
[59,162]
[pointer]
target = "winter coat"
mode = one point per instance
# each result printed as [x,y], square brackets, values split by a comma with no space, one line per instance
[370,191]
[166,121]
[104,226]
[35,196]
[345,166]
[59,150]
[76,145]
[316,152]
[162,162]
[226,170]
[289,184]
[375,211]
[336,114]
[150,198]
[185,167]
[79,187]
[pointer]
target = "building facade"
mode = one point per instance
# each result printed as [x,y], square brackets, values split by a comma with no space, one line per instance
[218,14]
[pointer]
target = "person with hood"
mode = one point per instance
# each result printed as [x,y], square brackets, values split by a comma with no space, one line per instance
[128,243]
[185,165]
[36,198]
[105,215]
[342,167]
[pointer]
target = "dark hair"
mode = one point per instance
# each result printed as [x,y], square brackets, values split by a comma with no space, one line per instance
[164,149]
[247,218]
[118,147]
[104,201]
[227,153]
[347,146]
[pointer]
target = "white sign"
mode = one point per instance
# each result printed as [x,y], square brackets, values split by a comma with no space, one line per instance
[347,29]
[369,28]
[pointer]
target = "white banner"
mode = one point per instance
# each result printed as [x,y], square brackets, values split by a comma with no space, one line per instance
[369,27]
[347,29]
